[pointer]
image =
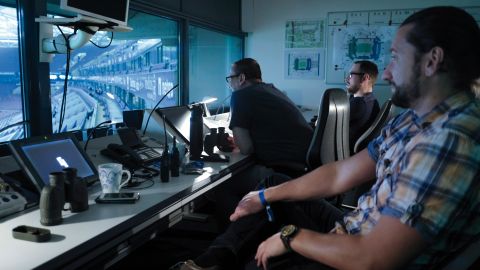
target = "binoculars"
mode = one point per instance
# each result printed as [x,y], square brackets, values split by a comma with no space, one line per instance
[219,139]
[64,187]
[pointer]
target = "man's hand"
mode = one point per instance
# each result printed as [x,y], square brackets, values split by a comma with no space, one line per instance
[249,204]
[271,247]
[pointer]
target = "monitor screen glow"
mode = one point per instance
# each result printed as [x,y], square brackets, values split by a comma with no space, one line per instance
[38,157]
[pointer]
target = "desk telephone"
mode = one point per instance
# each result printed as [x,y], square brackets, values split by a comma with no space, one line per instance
[133,153]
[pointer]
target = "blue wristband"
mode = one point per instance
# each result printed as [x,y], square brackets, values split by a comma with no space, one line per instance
[262,197]
[264,202]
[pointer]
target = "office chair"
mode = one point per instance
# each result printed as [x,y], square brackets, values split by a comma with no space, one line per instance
[330,138]
[467,257]
[373,131]
[386,112]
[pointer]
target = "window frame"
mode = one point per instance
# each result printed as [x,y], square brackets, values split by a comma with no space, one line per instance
[35,80]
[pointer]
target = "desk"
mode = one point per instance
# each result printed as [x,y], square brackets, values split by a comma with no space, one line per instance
[105,233]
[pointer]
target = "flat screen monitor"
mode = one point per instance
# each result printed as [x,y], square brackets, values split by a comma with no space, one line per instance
[115,11]
[39,156]
[178,118]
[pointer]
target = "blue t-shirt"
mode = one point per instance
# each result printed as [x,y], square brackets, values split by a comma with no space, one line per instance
[278,130]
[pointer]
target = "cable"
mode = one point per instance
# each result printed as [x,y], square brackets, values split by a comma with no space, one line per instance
[15,124]
[139,188]
[90,136]
[156,105]
[223,106]
[103,47]
[65,84]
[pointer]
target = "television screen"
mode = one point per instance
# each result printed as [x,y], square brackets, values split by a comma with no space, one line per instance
[39,156]
[110,10]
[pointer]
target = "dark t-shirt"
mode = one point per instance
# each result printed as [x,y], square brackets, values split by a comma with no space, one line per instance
[278,130]
[363,111]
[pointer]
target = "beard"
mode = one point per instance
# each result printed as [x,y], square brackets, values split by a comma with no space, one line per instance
[404,95]
[352,89]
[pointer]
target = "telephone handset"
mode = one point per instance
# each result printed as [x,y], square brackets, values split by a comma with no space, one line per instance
[133,153]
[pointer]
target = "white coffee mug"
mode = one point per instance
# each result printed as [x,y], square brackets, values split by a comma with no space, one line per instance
[111,175]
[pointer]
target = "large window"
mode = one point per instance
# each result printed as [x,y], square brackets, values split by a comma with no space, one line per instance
[211,55]
[11,111]
[134,72]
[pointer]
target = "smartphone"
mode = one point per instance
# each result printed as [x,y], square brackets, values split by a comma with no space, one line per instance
[122,197]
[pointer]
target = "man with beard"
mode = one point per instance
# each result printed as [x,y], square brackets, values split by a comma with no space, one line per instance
[425,203]
[363,104]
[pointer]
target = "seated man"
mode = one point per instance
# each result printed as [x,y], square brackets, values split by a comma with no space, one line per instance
[426,199]
[266,124]
[363,104]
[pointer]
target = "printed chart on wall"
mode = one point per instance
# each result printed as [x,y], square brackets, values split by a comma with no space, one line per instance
[360,43]
[304,49]
[364,35]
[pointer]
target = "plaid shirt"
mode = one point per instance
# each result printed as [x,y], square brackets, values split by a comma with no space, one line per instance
[428,177]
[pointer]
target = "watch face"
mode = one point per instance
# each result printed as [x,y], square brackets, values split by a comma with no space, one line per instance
[288,230]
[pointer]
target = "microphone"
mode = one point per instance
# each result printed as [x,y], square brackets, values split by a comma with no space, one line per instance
[175,160]
[155,107]
[90,136]
[15,124]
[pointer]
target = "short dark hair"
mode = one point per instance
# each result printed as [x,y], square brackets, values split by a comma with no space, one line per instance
[368,67]
[249,67]
[457,33]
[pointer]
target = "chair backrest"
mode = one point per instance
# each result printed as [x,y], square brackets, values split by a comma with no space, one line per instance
[467,257]
[330,138]
[350,197]
[373,131]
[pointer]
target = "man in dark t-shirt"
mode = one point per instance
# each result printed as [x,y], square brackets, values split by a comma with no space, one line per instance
[363,104]
[264,121]
[266,124]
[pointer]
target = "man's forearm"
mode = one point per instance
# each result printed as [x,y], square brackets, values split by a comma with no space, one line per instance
[327,180]
[390,245]
[338,251]
[243,140]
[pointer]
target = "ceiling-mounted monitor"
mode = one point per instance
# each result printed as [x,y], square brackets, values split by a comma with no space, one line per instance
[115,11]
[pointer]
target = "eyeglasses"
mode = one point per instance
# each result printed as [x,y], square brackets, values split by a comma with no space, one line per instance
[355,73]
[229,78]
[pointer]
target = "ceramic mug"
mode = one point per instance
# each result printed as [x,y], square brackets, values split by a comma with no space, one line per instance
[111,176]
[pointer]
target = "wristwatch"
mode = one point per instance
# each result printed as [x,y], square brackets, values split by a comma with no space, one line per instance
[286,234]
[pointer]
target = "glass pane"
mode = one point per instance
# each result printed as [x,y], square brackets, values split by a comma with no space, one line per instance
[211,54]
[11,110]
[134,72]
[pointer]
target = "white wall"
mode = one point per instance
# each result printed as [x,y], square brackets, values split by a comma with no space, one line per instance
[266,42]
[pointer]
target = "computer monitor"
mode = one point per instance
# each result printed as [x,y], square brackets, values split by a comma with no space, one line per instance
[178,118]
[39,156]
[115,11]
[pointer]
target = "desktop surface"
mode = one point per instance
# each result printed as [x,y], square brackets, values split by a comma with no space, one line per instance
[85,236]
